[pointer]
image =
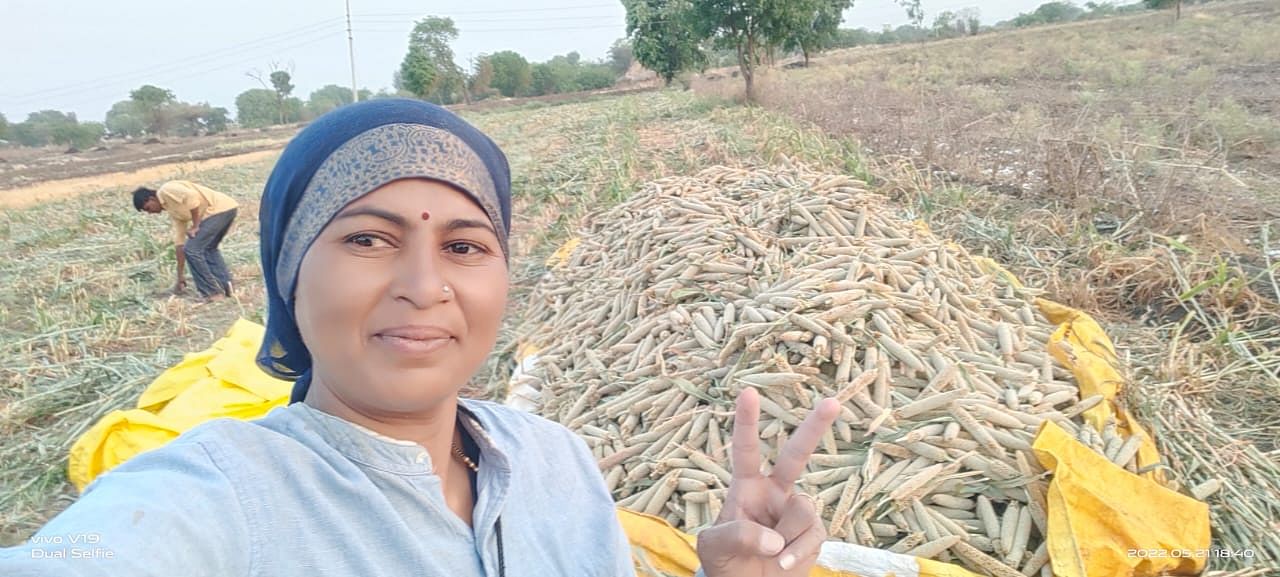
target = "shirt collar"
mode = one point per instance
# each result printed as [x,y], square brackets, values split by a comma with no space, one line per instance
[399,456]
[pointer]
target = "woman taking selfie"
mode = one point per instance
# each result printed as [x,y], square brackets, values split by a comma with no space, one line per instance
[384,231]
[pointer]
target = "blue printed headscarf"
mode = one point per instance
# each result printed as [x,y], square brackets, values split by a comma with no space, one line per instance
[341,157]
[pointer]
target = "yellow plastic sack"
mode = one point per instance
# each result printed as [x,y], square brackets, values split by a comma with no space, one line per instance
[1081,345]
[1104,520]
[564,253]
[222,381]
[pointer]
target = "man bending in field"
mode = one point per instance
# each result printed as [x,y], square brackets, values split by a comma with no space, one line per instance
[201,218]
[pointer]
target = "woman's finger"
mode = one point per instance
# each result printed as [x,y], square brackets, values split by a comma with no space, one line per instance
[805,547]
[738,539]
[795,454]
[797,515]
[746,435]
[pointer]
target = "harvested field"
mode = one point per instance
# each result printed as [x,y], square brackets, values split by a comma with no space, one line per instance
[1119,166]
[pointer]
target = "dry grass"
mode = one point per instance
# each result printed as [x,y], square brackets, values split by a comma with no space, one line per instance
[85,325]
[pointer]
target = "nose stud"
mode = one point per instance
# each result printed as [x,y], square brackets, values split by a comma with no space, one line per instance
[447,290]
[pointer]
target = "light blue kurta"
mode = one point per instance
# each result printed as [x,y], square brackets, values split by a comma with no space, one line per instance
[304,493]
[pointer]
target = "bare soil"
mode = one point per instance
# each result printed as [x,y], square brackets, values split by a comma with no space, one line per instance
[22,167]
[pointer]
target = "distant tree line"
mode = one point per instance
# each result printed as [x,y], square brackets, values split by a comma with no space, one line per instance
[431,72]
[968,21]
[428,72]
[669,37]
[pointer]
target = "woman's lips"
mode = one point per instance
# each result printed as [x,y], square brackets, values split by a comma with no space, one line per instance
[413,346]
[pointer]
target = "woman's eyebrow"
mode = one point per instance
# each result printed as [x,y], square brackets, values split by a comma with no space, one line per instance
[461,223]
[376,212]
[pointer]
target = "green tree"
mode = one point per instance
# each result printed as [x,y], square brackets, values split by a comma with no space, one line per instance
[905,33]
[152,104]
[256,108]
[481,81]
[294,108]
[752,28]
[4,127]
[25,135]
[39,127]
[850,37]
[124,119]
[620,56]
[78,135]
[331,96]
[594,76]
[944,25]
[56,127]
[548,78]
[281,83]
[198,119]
[214,118]
[970,19]
[428,69]
[665,36]
[512,75]
[1049,13]
[818,25]
[915,13]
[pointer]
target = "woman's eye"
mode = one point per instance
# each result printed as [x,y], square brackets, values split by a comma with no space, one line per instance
[464,248]
[366,240]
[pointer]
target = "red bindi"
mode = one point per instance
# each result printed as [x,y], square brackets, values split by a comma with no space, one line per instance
[426,215]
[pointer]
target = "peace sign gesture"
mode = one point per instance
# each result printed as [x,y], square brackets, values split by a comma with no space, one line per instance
[765,527]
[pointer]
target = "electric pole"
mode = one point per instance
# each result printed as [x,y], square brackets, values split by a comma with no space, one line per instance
[351,55]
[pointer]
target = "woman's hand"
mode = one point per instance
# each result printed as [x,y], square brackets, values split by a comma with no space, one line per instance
[766,528]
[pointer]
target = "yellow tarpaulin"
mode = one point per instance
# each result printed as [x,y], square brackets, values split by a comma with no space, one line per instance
[222,381]
[1104,520]
[1081,345]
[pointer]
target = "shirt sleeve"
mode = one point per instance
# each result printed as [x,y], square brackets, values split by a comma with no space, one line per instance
[626,564]
[170,511]
[179,232]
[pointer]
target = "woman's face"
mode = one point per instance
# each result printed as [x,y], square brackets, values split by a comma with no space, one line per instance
[371,303]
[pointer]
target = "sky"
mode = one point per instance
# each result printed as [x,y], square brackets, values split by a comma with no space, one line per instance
[84,55]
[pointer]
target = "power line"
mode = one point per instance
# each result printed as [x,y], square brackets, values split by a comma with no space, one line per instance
[498,11]
[167,76]
[206,70]
[186,63]
[485,20]
[475,30]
